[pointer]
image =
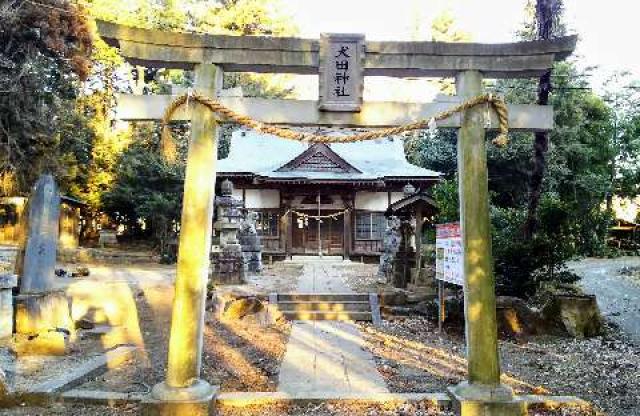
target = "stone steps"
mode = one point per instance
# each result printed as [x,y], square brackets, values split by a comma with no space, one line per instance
[323,297]
[327,316]
[324,306]
[327,306]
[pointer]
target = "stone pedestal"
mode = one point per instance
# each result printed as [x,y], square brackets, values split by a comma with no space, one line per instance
[42,312]
[7,283]
[480,400]
[195,400]
[228,265]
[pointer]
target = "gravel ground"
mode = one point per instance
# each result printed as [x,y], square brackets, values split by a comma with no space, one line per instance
[279,277]
[605,371]
[72,409]
[238,356]
[24,372]
[361,277]
[616,283]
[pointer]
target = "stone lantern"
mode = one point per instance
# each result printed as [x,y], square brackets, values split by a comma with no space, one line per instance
[228,265]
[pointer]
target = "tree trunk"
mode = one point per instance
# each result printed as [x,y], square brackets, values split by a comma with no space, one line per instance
[545,10]
[540,147]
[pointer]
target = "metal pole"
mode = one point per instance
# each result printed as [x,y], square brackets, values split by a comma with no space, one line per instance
[441,311]
[319,221]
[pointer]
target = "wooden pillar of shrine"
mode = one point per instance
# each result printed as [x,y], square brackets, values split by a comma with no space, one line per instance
[349,204]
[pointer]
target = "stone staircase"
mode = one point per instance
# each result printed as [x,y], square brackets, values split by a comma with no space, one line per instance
[328,306]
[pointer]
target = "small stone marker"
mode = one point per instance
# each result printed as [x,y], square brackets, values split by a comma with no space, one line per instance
[42,237]
[341,77]
[7,283]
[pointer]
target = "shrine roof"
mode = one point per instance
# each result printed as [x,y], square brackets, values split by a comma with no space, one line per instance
[265,156]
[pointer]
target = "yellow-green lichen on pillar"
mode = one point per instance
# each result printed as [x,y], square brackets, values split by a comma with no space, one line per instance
[479,292]
[183,390]
[482,394]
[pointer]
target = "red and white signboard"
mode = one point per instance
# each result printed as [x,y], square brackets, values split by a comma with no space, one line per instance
[449,260]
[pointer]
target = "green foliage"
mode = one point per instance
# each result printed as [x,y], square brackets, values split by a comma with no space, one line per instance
[44,55]
[129,179]
[581,154]
[446,196]
[147,188]
[522,265]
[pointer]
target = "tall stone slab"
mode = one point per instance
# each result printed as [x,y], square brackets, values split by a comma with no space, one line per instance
[39,307]
[37,272]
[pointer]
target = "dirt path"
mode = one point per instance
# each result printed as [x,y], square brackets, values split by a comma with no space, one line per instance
[618,295]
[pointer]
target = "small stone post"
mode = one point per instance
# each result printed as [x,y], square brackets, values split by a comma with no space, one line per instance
[482,394]
[183,392]
[7,283]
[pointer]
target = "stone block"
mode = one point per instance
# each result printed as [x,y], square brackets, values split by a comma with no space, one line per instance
[469,408]
[515,318]
[42,312]
[578,315]
[240,308]
[108,238]
[480,400]
[196,400]
[46,343]
[393,297]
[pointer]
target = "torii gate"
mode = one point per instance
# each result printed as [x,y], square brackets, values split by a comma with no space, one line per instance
[183,390]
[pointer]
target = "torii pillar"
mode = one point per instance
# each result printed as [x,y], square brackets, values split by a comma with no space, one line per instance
[482,394]
[184,392]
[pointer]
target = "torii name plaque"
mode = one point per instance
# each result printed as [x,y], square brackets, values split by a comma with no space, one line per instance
[341,77]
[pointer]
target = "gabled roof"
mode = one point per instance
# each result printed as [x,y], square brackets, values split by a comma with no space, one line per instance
[319,158]
[267,156]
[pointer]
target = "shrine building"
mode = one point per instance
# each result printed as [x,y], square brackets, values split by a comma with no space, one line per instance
[355,183]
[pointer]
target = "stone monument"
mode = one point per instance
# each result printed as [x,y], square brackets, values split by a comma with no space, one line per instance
[41,310]
[228,265]
[250,242]
[37,271]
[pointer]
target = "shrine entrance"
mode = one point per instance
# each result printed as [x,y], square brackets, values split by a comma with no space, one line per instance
[305,233]
[341,62]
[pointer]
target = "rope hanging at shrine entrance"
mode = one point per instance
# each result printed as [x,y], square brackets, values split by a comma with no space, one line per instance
[215,106]
[318,217]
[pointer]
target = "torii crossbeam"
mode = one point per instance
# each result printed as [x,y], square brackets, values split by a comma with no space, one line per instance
[184,391]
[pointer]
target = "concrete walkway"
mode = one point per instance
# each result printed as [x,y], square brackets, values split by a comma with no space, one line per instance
[321,276]
[326,357]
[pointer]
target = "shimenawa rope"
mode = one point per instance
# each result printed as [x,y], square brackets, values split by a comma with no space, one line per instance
[228,114]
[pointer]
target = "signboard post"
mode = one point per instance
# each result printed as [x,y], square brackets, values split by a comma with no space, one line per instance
[449,262]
